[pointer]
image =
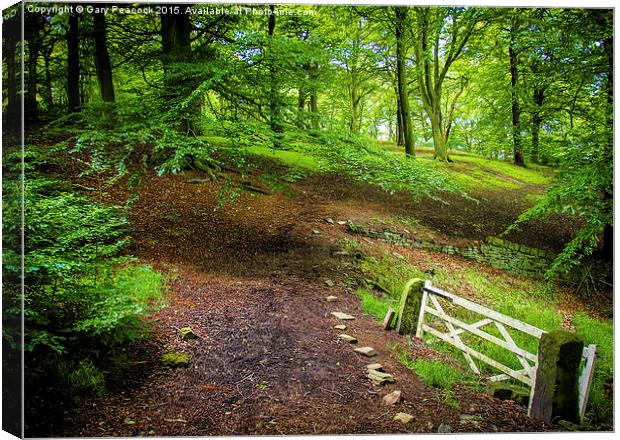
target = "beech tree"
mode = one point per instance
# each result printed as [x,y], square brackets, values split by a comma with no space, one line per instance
[441,36]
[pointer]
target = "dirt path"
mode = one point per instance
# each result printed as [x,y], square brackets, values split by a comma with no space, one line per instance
[250,281]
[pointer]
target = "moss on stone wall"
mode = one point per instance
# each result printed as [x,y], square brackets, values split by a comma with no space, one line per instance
[500,254]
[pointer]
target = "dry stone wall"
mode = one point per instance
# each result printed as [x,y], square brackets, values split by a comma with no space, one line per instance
[496,252]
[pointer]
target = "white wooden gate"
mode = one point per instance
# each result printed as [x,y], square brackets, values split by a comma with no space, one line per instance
[455,328]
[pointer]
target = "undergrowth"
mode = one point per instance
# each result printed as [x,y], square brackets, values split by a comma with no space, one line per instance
[82,298]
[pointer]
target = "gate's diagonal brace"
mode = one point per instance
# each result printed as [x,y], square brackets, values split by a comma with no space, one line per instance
[453,333]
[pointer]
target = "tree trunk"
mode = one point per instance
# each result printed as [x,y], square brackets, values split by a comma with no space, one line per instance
[31,111]
[34,24]
[440,143]
[176,53]
[355,100]
[73,63]
[102,58]
[401,77]
[8,51]
[175,36]
[516,108]
[274,104]
[539,96]
[301,103]
[314,109]
[400,139]
[48,95]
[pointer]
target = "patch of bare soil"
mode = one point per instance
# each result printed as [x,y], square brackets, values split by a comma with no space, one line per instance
[452,219]
[250,281]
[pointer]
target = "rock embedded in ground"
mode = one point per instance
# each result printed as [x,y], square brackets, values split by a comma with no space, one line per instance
[393,398]
[374,366]
[348,338]
[469,418]
[329,220]
[175,360]
[315,231]
[332,298]
[340,327]
[403,418]
[341,222]
[379,377]
[444,428]
[366,351]
[343,316]
[186,333]
[330,283]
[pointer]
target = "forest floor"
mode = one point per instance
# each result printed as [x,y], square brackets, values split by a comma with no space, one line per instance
[251,279]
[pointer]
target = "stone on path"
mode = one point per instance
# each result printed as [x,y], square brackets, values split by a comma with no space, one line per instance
[343,316]
[444,429]
[366,351]
[340,327]
[403,418]
[392,398]
[329,220]
[341,222]
[379,378]
[315,231]
[186,333]
[332,298]
[329,282]
[348,338]
[374,366]
[389,317]
[175,360]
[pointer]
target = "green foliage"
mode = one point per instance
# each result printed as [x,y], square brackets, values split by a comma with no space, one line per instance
[391,172]
[80,296]
[118,302]
[583,190]
[180,152]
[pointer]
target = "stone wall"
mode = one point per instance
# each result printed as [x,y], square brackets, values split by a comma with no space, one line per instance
[501,254]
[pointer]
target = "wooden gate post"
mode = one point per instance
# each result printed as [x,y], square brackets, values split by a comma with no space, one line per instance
[556,393]
[409,310]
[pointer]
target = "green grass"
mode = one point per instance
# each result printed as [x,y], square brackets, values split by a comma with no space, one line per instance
[474,172]
[286,157]
[391,220]
[437,374]
[371,305]
[390,273]
[533,174]
[477,180]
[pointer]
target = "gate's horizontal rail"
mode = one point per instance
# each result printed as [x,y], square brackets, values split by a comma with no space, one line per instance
[516,324]
[484,335]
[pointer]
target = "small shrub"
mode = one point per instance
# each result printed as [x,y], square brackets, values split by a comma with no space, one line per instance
[86,379]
